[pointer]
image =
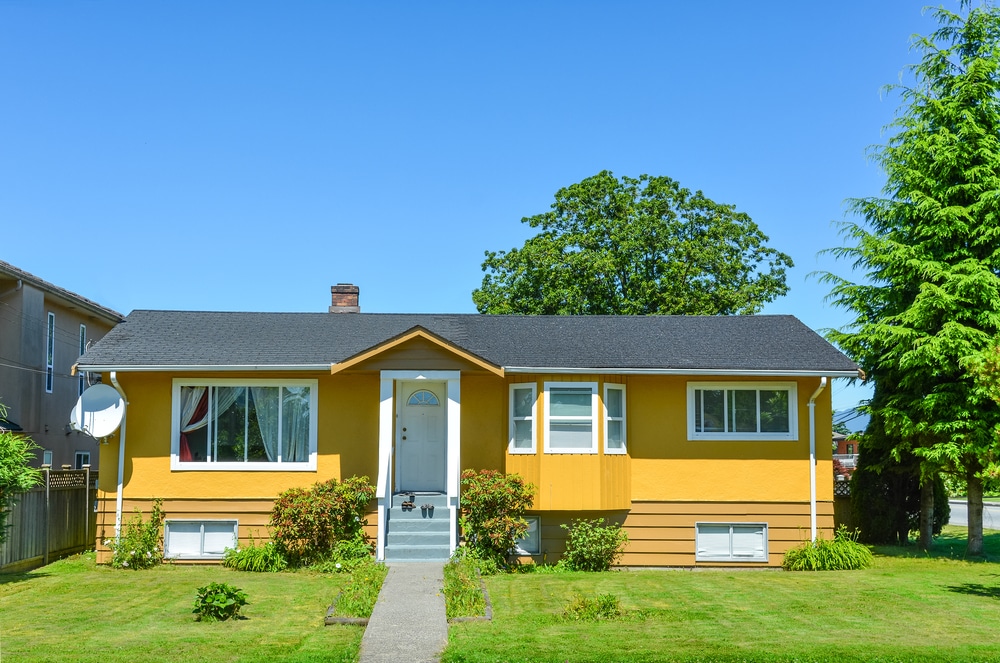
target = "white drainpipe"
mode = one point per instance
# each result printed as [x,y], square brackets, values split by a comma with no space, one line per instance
[812,456]
[121,458]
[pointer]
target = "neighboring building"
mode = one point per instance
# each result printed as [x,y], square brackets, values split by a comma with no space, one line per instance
[43,331]
[696,433]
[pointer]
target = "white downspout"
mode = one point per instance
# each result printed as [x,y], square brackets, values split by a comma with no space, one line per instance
[121,458]
[812,456]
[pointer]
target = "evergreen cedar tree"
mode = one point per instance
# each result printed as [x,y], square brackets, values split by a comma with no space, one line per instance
[929,306]
[628,246]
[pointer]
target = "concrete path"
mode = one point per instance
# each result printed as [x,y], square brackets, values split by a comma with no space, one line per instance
[408,623]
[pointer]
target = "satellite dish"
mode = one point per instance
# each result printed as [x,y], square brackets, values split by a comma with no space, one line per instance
[98,412]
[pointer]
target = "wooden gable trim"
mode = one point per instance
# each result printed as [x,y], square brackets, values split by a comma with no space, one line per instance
[416,333]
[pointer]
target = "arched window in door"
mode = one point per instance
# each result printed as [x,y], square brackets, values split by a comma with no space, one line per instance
[423,398]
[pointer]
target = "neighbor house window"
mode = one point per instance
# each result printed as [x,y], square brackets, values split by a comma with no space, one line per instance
[530,543]
[614,418]
[570,409]
[82,458]
[742,411]
[50,352]
[194,539]
[47,457]
[82,379]
[850,449]
[731,542]
[522,419]
[244,424]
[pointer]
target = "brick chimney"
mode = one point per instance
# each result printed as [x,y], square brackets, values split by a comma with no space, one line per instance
[344,298]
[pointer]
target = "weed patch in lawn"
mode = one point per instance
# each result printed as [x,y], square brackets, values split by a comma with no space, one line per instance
[359,595]
[463,594]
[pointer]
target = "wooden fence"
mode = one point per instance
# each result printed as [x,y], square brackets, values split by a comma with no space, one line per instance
[51,521]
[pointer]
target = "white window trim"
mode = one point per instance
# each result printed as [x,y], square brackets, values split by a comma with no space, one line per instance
[175,437]
[77,456]
[82,380]
[594,412]
[615,386]
[533,418]
[50,352]
[167,554]
[793,409]
[520,549]
[730,558]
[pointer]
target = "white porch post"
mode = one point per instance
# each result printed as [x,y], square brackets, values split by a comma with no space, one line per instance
[384,484]
[454,455]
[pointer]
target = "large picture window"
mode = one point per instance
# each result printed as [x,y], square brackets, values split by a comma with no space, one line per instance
[570,409]
[234,424]
[742,411]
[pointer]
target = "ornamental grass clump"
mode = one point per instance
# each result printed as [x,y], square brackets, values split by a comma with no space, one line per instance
[140,544]
[258,558]
[843,553]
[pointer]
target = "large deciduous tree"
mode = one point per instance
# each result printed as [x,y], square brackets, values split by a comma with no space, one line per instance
[930,251]
[634,247]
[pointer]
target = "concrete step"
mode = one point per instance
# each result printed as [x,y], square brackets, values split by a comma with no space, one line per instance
[438,513]
[403,524]
[394,537]
[416,553]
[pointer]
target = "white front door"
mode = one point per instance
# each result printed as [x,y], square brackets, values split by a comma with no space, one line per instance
[421,437]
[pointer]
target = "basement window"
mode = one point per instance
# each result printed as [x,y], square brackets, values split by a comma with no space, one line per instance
[198,539]
[731,542]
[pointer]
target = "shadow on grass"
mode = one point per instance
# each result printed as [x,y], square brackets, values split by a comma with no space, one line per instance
[11,578]
[976,589]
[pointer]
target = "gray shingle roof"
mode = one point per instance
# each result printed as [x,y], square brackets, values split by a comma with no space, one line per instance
[9,270]
[765,343]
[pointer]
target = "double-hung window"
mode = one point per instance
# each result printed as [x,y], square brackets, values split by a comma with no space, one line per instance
[522,418]
[570,417]
[244,424]
[614,418]
[742,411]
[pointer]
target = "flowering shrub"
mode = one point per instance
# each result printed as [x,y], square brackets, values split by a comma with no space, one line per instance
[306,524]
[493,506]
[140,544]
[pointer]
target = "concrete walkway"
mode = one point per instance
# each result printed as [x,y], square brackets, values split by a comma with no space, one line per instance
[408,622]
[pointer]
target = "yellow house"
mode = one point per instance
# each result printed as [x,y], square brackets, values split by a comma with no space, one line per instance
[706,437]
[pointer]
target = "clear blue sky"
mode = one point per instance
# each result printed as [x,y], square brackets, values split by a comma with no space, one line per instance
[248,155]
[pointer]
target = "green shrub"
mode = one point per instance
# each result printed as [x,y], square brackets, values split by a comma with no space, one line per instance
[604,607]
[217,602]
[262,558]
[493,506]
[592,545]
[140,544]
[306,524]
[345,556]
[463,596]
[16,474]
[844,553]
[361,592]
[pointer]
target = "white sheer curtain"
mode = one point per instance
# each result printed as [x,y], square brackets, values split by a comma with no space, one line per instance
[295,424]
[267,405]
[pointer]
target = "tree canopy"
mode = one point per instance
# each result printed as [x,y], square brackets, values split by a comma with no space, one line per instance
[633,247]
[929,248]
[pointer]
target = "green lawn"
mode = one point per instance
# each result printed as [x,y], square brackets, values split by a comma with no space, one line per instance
[909,607]
[74,610]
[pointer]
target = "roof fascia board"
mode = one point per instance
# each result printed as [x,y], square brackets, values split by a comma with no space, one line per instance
[103,368]
[417,332]
[680,371]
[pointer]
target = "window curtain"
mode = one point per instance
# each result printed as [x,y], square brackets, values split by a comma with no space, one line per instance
[194,410]
[265,400]
[295,424]
[194,415]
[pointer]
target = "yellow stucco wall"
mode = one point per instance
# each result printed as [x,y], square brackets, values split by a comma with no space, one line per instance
[662,464]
